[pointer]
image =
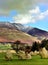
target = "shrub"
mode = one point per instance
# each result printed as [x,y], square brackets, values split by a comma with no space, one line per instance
[34,53]
[43,53]
[23,55]
[8,55]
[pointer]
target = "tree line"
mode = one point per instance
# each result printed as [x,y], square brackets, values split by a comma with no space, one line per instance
[35,46]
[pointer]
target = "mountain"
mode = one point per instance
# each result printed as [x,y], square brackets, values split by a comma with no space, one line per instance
[19,26]
[9,25]
[6,25]
[38,33]
[29,31]
[10,33]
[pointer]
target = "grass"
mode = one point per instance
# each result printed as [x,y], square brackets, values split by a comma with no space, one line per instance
[5,47]
[36,60]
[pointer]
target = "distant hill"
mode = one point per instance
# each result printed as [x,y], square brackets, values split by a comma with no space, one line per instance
[41,34]
[16,31]
[38,33]
[8,25]
[19,26]
[10,34]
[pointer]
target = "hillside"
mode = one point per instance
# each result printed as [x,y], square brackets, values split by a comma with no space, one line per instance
[10,32]
[11,35]
[38,33]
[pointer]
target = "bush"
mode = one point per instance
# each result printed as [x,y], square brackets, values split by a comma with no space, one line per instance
[24,55]
[8,55]
[43,53]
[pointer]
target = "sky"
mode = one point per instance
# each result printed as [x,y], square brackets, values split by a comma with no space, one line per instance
[27,12]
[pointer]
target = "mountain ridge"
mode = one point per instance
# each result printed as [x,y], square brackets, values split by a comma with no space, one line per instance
[35,32]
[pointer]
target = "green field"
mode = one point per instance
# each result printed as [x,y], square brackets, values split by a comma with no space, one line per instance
[36,60]
[5,46]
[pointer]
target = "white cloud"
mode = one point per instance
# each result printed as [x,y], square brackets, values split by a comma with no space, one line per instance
[43,15]
[27,18]
[33,15]
[23,19]
[35,10]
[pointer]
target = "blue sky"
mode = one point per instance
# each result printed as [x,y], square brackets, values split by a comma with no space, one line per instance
[35,16]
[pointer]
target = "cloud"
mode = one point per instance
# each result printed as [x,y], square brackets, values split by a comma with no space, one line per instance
[42,15]
[4,13]
[19,5]
[23,19]
[22,6]
[33,16]
[35,10]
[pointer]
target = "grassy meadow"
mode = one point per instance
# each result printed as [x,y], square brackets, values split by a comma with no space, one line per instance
[36,60]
